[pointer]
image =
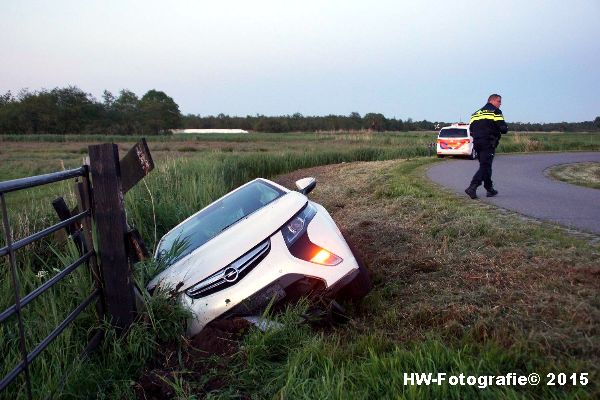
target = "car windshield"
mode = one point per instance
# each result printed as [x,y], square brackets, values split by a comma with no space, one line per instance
[217,217]
[453,133]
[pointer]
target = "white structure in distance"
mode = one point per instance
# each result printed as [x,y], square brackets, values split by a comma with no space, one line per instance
[178,131]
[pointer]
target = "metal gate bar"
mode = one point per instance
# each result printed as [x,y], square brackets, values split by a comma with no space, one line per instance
[47,285]
[42,234]
[11,247]
[16,289]
[33,181]
[46,342]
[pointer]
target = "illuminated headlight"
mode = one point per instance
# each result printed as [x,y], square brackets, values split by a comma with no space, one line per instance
[296,226]
[297,241]
[325,257]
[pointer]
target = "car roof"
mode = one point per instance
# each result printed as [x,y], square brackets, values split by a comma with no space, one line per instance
[455,126]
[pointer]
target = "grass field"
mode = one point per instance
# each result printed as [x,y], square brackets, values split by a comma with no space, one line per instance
[22,155]
[582,174]
[459,286]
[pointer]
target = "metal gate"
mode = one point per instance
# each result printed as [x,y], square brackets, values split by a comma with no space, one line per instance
[100,206]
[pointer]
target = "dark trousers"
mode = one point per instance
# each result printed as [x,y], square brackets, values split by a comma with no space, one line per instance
[486,152]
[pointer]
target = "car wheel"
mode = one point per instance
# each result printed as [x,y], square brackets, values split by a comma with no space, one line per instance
[361,285]
[474,154]
[440,156]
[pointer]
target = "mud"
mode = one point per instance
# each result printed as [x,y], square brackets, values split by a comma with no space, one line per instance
[211,350]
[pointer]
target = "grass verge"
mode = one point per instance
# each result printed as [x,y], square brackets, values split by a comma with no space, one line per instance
[583,174]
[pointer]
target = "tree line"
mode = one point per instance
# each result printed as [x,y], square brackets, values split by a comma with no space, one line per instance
[70,110]
[300,123]
[585,126]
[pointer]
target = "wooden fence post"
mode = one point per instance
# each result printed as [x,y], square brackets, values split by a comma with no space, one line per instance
[63,212]
[109,216]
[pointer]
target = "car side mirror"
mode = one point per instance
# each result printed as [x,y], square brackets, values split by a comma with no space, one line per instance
[306,185]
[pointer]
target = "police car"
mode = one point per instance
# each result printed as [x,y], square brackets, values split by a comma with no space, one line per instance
[455,140]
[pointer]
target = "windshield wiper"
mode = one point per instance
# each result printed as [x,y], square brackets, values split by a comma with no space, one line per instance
[234,222]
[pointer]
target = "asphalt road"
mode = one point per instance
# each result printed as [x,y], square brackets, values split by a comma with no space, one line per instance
[525,188]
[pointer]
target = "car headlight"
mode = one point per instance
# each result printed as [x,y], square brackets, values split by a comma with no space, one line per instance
[296,239]
[298,224]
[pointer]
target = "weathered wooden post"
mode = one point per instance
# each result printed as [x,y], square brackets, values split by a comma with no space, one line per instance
[135,165]
[63,212]
[109,217]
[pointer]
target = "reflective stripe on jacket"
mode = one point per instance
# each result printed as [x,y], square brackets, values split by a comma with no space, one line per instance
[487,124]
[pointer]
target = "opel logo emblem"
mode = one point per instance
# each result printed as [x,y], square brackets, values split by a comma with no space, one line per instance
[231,274]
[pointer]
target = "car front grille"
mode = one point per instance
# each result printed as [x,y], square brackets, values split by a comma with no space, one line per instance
[232,273]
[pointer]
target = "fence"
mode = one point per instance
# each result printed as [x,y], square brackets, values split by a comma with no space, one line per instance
[100,207]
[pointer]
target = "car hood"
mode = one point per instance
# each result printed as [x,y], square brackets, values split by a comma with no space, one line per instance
[231,244]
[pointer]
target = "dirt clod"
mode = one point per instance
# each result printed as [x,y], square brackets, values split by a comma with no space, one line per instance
[211,350]
[219,338]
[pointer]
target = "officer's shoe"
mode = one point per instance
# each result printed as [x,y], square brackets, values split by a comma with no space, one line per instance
[471,191]
[491,192]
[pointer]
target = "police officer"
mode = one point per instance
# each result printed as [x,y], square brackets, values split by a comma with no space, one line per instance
[487,124]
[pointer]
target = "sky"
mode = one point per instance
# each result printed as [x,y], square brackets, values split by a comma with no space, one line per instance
[434,60]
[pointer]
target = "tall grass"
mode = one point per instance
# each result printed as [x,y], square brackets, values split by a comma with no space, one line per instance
[233,137]
[239,138]
[182,187]
[59,371]
[522,142]
[514,141]
[43,315]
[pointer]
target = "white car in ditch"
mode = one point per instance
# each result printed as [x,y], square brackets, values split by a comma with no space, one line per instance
[260,244]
